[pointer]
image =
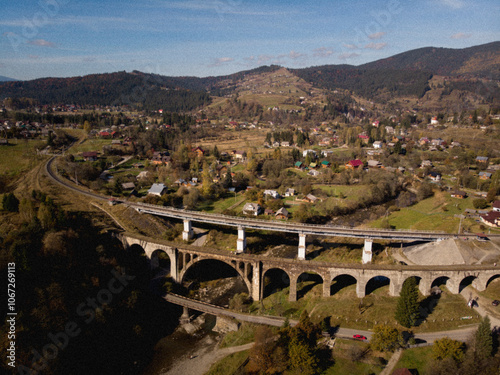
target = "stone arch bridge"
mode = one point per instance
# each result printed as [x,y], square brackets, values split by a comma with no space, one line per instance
[252,269]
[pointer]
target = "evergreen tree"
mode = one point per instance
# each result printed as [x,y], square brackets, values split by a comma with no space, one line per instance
[407,309]
[484,339]
[10,202]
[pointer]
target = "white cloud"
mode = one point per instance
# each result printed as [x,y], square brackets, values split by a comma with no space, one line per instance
[322,52]
[221,60]
[41,43]
[378,35]
[461,36]
[351,46]
[348,55]
[376,46]
[264,58]
[296,55]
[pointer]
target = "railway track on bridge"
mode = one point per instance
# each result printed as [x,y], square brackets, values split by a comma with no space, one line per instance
[306,229]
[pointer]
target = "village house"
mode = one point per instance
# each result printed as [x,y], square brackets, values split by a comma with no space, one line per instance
[434,176]
[482,159]
[282,214]
[310,198]
[491,219]
[157,189]
[426,163]
[240,155]
[198,151]
[374,164]
[459,194]
[289,192]
[364,138]
[272,193]
[253,209]
[161,158]
[313,172]
[354,164]
[377,144]
[89,155]
[128,186]
[299,165]
[485,175]
[325,164]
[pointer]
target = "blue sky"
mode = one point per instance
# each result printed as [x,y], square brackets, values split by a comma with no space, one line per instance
[62,38]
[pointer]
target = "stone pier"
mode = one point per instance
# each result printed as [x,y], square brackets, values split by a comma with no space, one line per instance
[241,243]
[302,247]
[187,234]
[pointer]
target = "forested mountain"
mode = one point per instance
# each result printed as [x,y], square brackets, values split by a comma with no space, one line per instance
[120,88]
[6,79]
[482,61]
[475,69]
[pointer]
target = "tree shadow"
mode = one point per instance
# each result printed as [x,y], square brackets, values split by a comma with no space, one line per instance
[426,307]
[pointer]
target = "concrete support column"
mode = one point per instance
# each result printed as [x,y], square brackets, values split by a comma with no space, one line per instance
[241,243]
[394,288]
[360,288]
[293,289]
[326,288]
[302,246]
[479,284]
[256,283]
[184,319]
[367,251]
[424,286]
[187,234]
[174,266]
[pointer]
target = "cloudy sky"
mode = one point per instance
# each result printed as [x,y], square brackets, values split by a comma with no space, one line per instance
[62,38]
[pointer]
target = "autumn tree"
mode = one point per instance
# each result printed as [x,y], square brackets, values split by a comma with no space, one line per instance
[448,348]
[385,338]
[407,308]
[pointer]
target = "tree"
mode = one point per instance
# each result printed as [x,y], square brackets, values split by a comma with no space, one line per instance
[407,309]
[448,348]
[480,203]
[483,340]
[10,202]
[386,338]
[302,361]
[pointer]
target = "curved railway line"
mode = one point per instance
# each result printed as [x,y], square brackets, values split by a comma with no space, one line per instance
[309,229]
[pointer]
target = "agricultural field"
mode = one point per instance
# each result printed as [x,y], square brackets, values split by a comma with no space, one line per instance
[20,156]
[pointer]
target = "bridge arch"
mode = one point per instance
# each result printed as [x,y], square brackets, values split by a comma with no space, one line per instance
[376,282]
[194,259]
[465,282]
[311,276]
[396,287]
[161,259]
[341,281]
[277,279]
[491,279]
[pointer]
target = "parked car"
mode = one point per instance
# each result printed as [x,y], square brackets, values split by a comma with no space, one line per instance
[495,302]
[359,337]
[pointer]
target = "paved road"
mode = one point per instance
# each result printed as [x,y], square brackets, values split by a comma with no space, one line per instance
[458,334]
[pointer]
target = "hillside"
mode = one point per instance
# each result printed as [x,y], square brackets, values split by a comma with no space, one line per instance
[118,88]
[6,79]
[481,61]
[470,74]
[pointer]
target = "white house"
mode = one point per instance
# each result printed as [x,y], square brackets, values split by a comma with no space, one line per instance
[252,209]
[157,189]
[272,193]
[377,144]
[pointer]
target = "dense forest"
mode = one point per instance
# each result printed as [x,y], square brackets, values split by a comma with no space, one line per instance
[368,83]
[84,305]
[115,89]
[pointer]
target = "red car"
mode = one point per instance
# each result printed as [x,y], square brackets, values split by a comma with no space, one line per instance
[358,337]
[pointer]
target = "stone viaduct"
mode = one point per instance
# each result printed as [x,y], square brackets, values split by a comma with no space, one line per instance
[252,269]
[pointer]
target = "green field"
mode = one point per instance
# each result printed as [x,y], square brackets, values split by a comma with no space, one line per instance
[435,213]
[344,308]
[229,364]
[415,358]
[90,145]
[19,156]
